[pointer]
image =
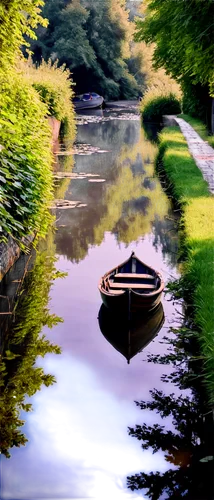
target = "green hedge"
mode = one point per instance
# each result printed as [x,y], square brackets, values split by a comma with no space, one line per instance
[55,88]
[154,108]
[25,159]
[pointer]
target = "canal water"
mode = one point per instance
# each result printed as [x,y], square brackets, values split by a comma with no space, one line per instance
[80,432]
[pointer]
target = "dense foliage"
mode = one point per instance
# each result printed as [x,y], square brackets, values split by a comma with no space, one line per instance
[154,109]
[93,40]
[55,89]
[17,19]
[183,33]
[25,158]
[25,136]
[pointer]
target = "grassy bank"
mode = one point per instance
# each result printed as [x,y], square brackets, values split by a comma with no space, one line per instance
[191,192]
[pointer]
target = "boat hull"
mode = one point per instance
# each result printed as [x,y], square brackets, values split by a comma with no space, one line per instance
[131,299]
[89,104]
[132,286]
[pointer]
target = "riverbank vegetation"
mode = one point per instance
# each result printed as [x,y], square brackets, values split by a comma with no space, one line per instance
[25,158]
[55,88]
[27,98]
[153,108]
[190,190]
[184,49]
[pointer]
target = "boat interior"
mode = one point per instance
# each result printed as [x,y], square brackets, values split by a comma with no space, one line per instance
[132,275]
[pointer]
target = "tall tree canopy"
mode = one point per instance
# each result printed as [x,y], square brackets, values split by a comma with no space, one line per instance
[183,33]
[17,18]
[184,37]
[93,39]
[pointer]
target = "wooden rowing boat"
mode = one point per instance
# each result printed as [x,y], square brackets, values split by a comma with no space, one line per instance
[130,337]
[131,285]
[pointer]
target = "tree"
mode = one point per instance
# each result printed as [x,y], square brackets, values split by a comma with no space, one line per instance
[93,39]
[183,33]
[18,18]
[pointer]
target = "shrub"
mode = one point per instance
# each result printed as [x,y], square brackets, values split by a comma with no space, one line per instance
[55,89]
[25,159]
[154,107]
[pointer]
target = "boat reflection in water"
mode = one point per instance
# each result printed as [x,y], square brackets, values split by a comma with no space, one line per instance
[130,337]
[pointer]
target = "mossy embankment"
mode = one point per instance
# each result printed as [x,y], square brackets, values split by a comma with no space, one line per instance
[190,191]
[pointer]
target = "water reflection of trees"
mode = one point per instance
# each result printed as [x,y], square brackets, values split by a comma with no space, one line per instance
[21,343]
[130,203]
[110,134]
[63,163]
[189,446]
[166,236]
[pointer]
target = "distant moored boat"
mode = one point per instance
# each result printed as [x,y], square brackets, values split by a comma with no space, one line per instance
[131,285]
[90,100]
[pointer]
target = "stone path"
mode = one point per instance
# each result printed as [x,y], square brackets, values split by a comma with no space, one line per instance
[200,150]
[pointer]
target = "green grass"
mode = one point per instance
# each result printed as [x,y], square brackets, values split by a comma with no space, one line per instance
[190,190]
[199,127]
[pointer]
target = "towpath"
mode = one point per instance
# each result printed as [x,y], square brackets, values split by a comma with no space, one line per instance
[201,151]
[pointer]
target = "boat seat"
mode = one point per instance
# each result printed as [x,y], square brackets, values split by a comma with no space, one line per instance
[134,275]
[141,286]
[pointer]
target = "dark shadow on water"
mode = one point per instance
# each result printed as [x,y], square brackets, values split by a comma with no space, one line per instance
[137,166]
[152,130]
[188,444]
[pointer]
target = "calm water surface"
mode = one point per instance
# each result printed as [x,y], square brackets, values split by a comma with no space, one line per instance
[78,442]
